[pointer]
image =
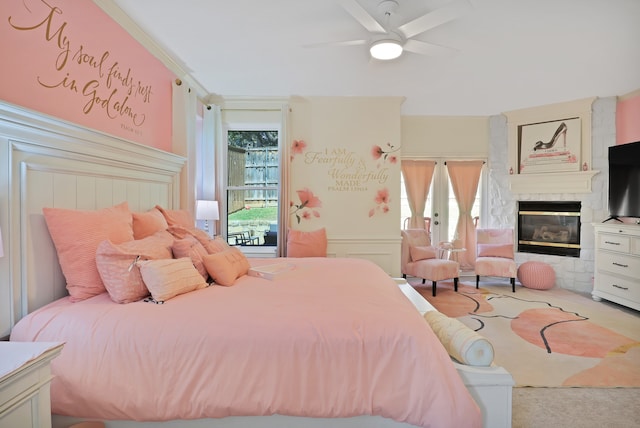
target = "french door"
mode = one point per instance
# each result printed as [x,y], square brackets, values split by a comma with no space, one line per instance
[441,204]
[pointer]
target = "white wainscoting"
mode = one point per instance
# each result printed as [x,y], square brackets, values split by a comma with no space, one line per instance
[383,251]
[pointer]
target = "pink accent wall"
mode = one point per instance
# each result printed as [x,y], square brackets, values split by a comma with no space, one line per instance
[628,120]
[69,59]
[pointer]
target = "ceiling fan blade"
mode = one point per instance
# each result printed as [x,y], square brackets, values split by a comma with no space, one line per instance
[337,43]
[433,19]
[362,16]
[424,48]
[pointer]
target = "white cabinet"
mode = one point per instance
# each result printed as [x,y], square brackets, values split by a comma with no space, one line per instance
[25,401]
[617,269]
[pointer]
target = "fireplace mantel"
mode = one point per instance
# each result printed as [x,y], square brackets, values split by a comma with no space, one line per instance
[552,182]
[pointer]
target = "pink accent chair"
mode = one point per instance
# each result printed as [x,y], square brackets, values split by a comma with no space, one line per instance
[427,224]
[419,259]
[495,255]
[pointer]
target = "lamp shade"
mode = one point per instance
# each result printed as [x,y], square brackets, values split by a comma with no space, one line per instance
[386,49]
[207,210]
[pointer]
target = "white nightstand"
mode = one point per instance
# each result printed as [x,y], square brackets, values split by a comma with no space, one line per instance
[25,374]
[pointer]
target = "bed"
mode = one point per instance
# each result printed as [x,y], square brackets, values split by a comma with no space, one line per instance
[345,345]
[348,350]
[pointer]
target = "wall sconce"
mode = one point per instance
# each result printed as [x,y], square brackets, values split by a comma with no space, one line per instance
[207,210]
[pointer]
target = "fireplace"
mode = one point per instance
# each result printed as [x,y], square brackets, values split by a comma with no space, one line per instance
[551,228]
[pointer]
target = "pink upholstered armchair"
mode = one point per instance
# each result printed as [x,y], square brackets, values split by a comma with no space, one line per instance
[495,255]
[419,259]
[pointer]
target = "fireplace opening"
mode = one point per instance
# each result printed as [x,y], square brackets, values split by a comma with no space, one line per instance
[551,228]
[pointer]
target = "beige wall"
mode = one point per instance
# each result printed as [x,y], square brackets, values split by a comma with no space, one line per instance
[337,165]
[443,136]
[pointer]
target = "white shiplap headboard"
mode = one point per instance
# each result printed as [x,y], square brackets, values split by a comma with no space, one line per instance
[45,162]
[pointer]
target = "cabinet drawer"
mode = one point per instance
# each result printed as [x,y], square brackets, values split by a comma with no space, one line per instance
[620,264]
[635,246]
[615,243]
[626,288]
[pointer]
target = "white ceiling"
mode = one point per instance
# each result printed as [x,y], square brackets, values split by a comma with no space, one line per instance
[509,54]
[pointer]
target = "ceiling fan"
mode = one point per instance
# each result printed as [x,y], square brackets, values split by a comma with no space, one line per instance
[388,42]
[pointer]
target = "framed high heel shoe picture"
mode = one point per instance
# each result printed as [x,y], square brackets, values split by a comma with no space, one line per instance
[549,146]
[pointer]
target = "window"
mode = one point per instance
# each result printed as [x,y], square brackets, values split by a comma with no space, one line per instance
[252,187]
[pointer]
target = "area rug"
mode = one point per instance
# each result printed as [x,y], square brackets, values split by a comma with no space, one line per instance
[547,338]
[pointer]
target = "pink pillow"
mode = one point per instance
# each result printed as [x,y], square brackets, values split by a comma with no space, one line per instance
[147,223]
[190,247]
[307,244]
[168,278]
[177,217]
[211,245]
[117,265]
[422,252]
[214,245]
[226,266]
[496,250]
[76,235]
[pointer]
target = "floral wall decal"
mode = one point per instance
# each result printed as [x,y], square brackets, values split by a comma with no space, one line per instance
[297,148]
[308,201]
[385,154]
[382,202]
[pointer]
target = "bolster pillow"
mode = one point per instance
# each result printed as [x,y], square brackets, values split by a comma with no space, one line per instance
[462,343]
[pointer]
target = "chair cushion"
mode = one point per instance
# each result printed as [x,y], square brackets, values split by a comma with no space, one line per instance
[417,237]
[496,266]
[496,250]
[538,275]
[434,269]
[421,252]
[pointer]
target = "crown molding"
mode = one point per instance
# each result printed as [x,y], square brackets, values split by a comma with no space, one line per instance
[120,17]
[632,94]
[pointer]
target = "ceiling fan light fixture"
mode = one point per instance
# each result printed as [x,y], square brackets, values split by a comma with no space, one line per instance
[386,49]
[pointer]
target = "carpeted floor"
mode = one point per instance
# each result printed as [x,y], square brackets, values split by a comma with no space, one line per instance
[576,407]
[547,338]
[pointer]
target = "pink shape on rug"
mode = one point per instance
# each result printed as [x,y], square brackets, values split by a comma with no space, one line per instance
[572,335]
[618,368]
[455,304]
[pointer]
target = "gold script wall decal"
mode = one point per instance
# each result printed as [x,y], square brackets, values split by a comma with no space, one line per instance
[346,170]
[101,83]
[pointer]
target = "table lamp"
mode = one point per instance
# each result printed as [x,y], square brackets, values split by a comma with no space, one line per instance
[207,210]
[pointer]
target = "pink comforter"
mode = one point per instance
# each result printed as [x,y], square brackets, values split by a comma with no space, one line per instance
[335,338]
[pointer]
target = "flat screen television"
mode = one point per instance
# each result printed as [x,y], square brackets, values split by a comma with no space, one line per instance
[624,181]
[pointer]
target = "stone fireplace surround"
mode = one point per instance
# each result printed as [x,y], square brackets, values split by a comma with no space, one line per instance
[571,273]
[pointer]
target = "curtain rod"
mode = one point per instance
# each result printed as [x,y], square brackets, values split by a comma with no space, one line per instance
[468,160]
